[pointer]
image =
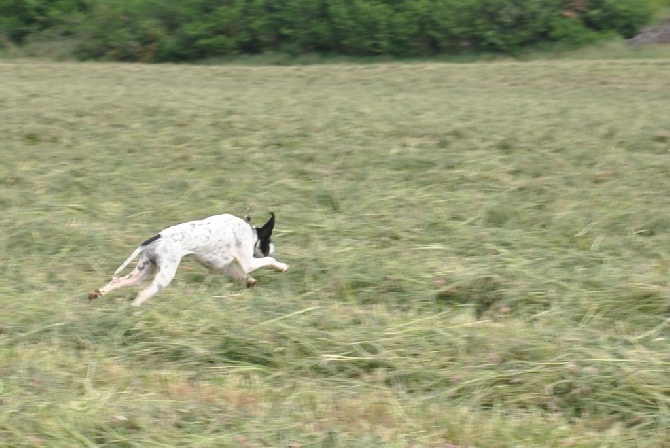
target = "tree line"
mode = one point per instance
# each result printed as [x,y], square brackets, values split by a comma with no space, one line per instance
[188,30]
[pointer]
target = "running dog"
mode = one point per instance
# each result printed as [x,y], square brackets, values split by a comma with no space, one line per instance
[216,242]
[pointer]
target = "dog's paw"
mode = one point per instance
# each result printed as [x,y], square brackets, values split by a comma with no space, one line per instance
[251,282]
[94,294]
[282,267]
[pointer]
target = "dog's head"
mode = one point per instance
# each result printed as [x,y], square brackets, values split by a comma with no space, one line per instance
[264,247]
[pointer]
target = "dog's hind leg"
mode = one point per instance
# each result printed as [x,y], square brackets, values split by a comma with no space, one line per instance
[166,272]
[140,274]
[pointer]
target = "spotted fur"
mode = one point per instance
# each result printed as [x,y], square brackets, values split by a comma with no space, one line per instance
[222,243]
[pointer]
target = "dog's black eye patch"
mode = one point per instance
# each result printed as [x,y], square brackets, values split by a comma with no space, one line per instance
[264,233]
[264,246]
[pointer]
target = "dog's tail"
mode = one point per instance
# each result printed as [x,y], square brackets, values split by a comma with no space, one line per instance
[135,254]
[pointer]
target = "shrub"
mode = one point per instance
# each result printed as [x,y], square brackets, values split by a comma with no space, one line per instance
[624,17]
[171,30]
[20,18]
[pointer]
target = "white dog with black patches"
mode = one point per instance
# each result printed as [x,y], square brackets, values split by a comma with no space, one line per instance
[215,242]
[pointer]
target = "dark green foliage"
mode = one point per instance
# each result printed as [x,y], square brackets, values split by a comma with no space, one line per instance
[622,17]
[170,30]
[20,18]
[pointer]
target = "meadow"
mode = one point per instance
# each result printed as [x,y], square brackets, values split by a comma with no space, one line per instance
[479,255]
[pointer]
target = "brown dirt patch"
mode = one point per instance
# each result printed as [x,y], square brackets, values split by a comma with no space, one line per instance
[657,34]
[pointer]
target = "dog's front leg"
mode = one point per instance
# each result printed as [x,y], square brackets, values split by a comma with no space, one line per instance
[236,273]
[250,264]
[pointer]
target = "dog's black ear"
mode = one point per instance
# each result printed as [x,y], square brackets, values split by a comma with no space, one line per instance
[265,231]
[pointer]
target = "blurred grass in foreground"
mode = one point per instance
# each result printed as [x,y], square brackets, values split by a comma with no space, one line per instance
[479,255]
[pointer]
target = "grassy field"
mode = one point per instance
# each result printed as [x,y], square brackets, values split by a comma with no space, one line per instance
[479,255]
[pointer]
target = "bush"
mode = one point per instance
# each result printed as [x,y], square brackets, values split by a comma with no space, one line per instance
[171,30]
[20,18]
[623,17]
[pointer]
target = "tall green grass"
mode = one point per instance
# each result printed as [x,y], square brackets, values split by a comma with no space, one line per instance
[479,255]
